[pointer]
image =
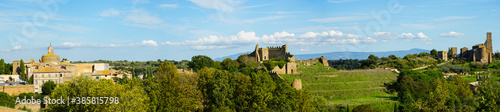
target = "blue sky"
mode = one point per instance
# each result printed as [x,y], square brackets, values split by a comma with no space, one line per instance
[179,29]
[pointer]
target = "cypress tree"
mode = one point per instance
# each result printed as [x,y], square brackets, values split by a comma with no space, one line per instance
[2,67]
[23,70]
[133,72]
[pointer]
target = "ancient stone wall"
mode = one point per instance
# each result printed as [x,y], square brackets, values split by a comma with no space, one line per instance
[323,61]
[18,89]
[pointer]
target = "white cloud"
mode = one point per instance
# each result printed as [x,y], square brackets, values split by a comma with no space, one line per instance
[222,5]
[13,49]
[452,34]
[168,5]
[452,18]
[341,19]
[146,43]
[110,13]
[389,35]
[408,36]
[422,37]
[247,38]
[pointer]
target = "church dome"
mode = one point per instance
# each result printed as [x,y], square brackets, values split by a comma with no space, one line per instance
[50,57]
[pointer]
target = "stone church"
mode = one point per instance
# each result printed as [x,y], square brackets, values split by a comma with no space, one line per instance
[50,68]
[482,53]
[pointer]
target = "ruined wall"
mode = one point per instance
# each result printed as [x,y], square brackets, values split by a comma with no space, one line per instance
[18,89]
[288,68]
[279,70]
[308,62]
[323,61]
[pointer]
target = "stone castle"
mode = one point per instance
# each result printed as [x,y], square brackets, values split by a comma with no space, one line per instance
[268,53]
[480,52]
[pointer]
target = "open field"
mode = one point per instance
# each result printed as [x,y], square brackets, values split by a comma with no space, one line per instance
[352,87]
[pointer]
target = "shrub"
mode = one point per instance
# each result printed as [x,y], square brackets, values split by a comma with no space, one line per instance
[364,108]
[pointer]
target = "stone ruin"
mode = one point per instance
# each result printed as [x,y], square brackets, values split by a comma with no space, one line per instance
[297,84]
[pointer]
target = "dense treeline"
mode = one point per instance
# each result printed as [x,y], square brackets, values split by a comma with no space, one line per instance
[346,64]
[230,85]
[429,91]
[5,68]
[407,62]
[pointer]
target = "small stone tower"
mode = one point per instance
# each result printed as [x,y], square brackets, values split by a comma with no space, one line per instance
[297,84]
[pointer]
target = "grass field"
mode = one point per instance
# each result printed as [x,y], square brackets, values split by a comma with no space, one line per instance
[353,87]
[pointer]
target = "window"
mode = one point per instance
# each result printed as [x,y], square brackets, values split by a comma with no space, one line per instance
[60,75]
[61,81]
[43,75]
[105,75]
[36,82]
[97,77]
[49,75]
[43,82]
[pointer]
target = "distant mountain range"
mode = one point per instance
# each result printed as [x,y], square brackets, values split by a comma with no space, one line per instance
[344,54]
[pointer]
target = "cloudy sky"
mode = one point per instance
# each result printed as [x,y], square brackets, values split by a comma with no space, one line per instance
[179,29]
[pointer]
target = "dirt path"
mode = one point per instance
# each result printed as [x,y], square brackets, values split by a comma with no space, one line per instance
[430,65]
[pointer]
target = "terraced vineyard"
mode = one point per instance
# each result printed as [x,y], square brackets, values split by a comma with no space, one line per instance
[352,87]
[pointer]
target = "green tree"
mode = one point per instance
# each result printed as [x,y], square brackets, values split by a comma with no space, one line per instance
[244,61]
[262,87]
[131,96]
[364,108]
[2,67]
[434,53]
[217,90]
[496,56]
[6,100]
[22,70]
[200,61]
[373,57]
[64,59]
[133,73]
[228,64]
[48,87]
[145,76]
[450,53]
[489,95]
[171,92]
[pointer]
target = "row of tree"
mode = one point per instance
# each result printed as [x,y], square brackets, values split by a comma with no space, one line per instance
[230,85]
[429,91]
